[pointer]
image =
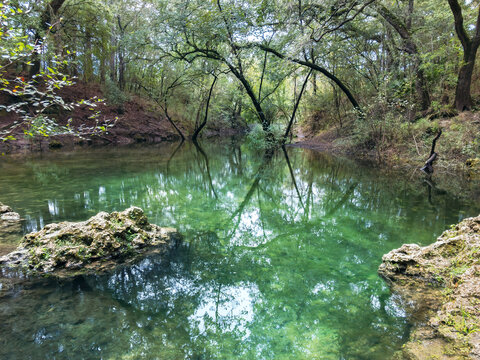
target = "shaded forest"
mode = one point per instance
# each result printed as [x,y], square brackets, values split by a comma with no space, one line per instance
[375,75]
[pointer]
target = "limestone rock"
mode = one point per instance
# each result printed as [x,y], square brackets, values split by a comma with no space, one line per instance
[97,244]
[10,229]
[7,214]
[443,280]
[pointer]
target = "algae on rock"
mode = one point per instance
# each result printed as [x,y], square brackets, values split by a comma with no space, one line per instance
[93,245]
[442,282]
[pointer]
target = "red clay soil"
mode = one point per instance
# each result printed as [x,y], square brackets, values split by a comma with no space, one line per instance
[138,121]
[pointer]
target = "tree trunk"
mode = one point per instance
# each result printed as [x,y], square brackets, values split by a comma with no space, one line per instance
[463,99]
[46,20]
[113,70]
[103,67]
[165,110]
[88,60]
[256,103]
[421,86]
[197,131]
[295,107]
[121,70]
[36,63]
[428,167]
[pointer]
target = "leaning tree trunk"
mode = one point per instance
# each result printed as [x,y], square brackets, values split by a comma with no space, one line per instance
[428,167]
[295,107]
[165,110]
[256,102]
[318,68]
[204,122]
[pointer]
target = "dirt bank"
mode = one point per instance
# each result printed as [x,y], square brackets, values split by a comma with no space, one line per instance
[138,120]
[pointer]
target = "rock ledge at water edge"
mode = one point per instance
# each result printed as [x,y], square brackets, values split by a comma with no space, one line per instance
[7,214]
[98,244]
[439,286]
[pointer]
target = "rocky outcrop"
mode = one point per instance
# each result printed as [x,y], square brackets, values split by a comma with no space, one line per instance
[440,285]
[10,229]
[7,214]
[98,244]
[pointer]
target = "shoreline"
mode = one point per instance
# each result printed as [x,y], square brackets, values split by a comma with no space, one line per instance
[439,285]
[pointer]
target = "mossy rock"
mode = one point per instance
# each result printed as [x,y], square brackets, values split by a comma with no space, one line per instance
[442,283]
[98,244]
[10,229]
[7,214]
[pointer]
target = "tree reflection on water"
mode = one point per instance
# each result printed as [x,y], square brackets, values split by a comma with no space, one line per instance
[279,259]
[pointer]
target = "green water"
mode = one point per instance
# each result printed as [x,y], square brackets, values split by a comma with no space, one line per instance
[277,263]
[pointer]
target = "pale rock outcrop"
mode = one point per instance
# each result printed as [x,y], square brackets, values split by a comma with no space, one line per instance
[98,244]
[440,286]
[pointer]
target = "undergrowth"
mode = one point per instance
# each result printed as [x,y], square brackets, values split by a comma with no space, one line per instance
[388,133]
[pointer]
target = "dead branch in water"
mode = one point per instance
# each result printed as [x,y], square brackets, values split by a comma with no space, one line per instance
[428,167]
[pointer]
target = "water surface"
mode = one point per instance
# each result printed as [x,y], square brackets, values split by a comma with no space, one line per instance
[279,260]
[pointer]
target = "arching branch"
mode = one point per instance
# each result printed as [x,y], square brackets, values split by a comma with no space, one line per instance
[318,68]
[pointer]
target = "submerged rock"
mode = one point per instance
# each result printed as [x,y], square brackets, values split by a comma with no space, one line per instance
[441,282]
[98,244]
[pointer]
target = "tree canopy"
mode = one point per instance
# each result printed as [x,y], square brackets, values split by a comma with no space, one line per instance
[357,58]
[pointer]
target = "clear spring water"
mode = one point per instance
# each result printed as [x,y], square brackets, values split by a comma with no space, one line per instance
[278,261]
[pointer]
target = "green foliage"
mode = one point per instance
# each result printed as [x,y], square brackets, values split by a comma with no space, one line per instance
[380,127]
[463,323]
[114,95]
[35,100]
[167,51]
[256,138]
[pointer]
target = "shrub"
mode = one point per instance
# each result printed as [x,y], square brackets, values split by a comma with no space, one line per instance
[114,95]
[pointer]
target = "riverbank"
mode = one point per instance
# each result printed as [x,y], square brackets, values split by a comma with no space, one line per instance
[439,285]
[403,145]
[135,120]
